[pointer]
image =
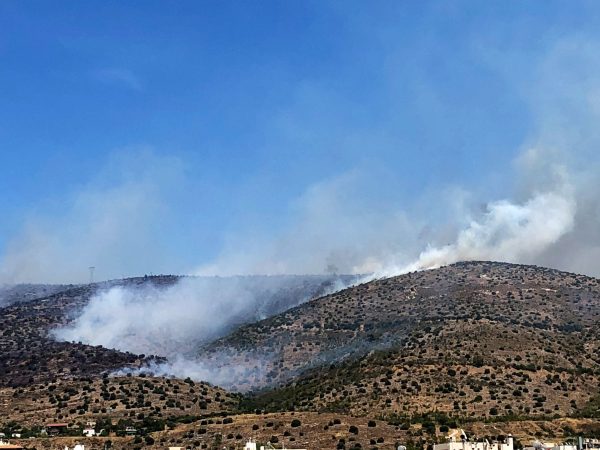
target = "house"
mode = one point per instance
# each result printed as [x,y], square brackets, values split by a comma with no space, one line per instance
[588,444]
[56,428]
[537,445]
[458,440]
[90,429]
[251,445]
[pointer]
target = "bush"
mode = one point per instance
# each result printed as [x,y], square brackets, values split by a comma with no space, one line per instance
[353,430]
[296,423]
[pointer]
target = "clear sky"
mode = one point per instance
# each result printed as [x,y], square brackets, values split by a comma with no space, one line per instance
[185,136]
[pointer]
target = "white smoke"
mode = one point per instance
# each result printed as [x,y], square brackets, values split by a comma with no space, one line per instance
[231,372]
[177,319]
[507,232]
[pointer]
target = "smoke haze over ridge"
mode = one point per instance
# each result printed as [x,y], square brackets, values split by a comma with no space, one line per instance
[177,319]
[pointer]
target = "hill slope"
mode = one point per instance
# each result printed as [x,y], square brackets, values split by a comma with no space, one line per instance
[472,339]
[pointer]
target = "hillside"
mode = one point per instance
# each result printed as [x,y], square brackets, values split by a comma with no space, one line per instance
[472,339]
[23,292]
[492,347]
[42,379]
[30,354]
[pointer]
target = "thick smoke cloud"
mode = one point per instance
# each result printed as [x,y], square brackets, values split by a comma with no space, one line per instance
[507,232]
[177,319]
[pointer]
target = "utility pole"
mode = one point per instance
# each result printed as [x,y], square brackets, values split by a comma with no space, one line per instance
[92,268]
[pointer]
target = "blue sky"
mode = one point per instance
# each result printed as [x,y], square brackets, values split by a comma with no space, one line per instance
[235,116]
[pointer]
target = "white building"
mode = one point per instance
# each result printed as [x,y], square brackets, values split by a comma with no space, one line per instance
[76,447]
[590,444]
[251,445]
[565,447]
[538,445]
[458,440]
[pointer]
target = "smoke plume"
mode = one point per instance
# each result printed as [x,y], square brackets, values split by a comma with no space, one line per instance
[177,319]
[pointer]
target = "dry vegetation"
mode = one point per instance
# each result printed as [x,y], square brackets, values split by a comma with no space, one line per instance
[130,399]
